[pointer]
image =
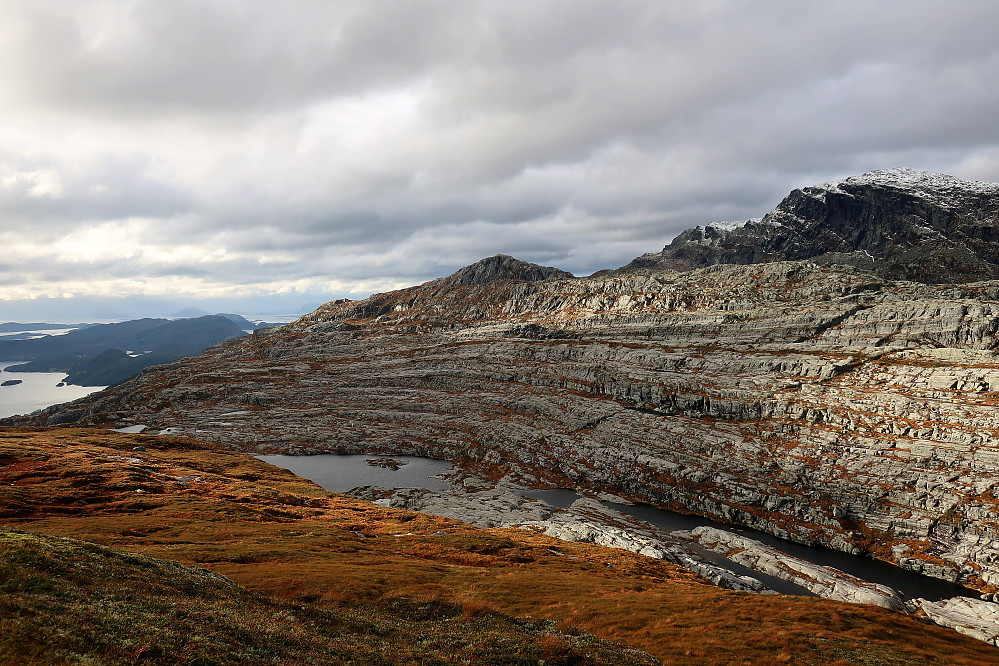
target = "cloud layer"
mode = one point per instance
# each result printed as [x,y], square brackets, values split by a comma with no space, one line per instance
[231,149]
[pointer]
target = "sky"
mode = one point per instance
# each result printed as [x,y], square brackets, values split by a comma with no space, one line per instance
[262,156]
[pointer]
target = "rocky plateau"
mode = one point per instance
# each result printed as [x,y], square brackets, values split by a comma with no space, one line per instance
[836,383]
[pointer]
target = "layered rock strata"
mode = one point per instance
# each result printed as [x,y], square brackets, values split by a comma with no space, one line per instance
[825,405]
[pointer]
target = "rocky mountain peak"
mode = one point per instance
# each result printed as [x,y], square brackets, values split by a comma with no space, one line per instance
[502,267]
[900,223]
[929,184]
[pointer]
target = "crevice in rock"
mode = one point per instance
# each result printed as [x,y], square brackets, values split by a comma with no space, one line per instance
[835,321]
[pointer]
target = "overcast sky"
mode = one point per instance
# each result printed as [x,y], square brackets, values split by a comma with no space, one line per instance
[237,149]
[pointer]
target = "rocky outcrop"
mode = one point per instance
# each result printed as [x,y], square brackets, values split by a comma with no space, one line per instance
[585,521]
[824,581]
[820,402]
[502,267]
[978,618]
[900,223]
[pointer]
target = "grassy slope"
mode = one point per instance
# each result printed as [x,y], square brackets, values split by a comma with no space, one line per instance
[280,535]
[67,600]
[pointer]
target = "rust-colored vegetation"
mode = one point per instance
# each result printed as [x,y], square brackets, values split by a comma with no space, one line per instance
[299,546]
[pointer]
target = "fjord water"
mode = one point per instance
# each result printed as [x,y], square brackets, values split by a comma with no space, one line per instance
[341,473]
[37,390]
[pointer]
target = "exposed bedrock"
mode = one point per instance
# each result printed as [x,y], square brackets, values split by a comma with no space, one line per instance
[821,404]
[586,520]
[978,618]
[824,581]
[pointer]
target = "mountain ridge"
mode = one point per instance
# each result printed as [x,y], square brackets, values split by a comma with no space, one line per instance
[725,391]
[900,223]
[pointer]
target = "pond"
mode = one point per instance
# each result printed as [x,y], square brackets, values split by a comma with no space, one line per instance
[339,474]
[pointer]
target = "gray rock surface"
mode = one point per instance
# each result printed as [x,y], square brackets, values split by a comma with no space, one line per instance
[586,520]
[824,581]
[972,617]
[823,405]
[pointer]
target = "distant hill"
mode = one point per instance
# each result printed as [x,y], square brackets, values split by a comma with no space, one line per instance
[241,321]
[189,313]
[99,355]
[107,368]
[502,267]
[244,323]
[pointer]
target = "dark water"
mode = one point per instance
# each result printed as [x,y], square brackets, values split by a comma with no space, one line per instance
[558,497]
[910,585]
[563,497]
[340,473]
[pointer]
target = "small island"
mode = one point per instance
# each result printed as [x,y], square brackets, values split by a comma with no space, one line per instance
[12,382]
[387,463]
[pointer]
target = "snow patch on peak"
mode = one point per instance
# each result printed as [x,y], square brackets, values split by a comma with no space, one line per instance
[920,183]
[731,225]
[913,178]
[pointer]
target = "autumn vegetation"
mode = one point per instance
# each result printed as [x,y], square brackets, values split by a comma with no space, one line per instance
[185,552]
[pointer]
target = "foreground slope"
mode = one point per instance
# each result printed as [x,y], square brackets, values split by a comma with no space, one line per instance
[335,568]
[67,601]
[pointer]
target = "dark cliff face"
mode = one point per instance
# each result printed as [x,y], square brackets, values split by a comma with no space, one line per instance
[902,224]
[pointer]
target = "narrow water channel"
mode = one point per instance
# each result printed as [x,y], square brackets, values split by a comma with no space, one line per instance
[341,473]
[909,584]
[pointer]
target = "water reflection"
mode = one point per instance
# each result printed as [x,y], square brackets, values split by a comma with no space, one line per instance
[339,474]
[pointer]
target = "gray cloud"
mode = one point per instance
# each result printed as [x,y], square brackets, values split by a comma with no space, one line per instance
[223,149]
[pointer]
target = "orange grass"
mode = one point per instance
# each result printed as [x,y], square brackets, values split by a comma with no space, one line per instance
[273,532]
